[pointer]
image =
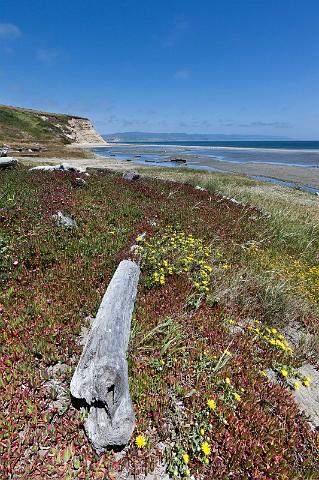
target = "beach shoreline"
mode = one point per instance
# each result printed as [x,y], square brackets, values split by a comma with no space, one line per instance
[208,147]
[301,176]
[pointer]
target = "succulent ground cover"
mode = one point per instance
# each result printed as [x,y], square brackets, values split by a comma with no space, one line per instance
[198,355]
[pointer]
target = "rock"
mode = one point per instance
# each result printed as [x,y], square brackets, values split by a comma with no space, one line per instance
[131,175]
[58,393]
[178,160]
[79,182]
[299,337]
[8,162]
[64,167]
[3,152]
[64,221]
[58,369]
[307,399]
[101,377]
[159,473]
[43,452]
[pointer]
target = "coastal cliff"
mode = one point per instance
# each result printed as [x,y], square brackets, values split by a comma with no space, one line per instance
[82,131]
[26,126]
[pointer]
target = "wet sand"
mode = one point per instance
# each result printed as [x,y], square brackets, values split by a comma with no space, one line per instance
[299,175]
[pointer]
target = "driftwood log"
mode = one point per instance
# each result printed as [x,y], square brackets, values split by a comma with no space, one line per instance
[101,377]
[64,167]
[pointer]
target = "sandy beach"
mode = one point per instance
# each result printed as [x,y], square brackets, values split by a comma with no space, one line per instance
[298,175]
[287,173]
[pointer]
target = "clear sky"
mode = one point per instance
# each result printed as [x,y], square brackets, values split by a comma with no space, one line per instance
[226,66]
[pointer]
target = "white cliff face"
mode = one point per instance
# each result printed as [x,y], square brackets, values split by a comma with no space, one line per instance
[78,130]
[82,132]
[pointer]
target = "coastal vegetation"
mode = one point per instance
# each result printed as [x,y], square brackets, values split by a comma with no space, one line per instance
[26,131]
[226,268]
[23,125]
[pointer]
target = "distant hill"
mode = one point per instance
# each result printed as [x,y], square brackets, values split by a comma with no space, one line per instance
[23,126]
[183,137]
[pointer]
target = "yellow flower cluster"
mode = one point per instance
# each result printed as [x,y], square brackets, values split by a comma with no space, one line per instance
[174,252]
[291,375]
[271,336]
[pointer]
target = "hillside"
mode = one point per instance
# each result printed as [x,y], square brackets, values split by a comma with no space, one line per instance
[223,355]
[25,126]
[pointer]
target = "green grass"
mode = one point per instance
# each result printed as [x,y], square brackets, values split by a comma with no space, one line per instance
[19,125]
[287,243]
[294,221]
[181,352]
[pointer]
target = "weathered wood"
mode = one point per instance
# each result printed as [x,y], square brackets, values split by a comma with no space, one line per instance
[64,167]
[8,162]
[101,377]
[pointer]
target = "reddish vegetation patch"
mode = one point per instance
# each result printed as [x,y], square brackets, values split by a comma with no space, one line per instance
[51,279]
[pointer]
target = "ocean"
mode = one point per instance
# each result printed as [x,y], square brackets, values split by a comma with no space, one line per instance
[295,153]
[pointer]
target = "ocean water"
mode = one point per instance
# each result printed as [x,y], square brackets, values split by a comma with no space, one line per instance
[296,153]
[273,144]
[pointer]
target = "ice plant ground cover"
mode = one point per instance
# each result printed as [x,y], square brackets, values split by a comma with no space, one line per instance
[205,331]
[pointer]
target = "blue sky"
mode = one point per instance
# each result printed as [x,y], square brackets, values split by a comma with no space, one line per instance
[244,67]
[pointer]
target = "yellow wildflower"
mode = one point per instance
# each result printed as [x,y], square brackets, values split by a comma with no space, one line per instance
[237,397]
[205,447]
[307,381]
[296,385]
[211,404]
[140,441]
[185,458]
[206,460]
[202,431]
[227,380]
[284,373]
